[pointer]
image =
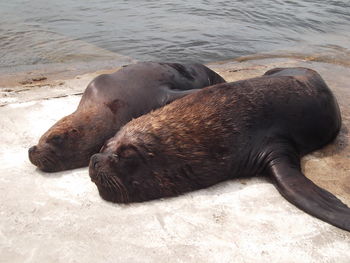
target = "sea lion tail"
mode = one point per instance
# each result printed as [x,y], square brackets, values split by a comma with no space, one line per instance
[303,193]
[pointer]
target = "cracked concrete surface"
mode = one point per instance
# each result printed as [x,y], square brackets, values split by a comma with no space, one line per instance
[61,218]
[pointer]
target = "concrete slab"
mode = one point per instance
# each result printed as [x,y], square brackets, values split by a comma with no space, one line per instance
[60,217]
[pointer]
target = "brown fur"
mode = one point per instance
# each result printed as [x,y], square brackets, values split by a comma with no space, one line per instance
[109,102]
[72,132]
[245,128]
[200,139]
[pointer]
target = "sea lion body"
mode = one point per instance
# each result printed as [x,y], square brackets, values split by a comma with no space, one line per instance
[110,101]
[260,126]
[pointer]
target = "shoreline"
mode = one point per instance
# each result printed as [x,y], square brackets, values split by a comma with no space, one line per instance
[22,75]
[41,74]
[61,79]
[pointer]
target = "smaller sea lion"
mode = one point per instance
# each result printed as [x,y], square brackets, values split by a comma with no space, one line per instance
[260,126]
[110,101]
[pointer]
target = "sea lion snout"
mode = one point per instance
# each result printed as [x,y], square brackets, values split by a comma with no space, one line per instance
[105,173]
[94,165]
[44,158]
[99,158]
[100,161]
[31,152]
[32,149]
[94,161]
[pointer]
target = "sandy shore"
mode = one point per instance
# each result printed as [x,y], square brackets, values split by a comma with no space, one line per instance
[61,218]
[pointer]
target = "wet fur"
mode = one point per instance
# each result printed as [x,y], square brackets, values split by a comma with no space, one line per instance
[110,101]
[245,128]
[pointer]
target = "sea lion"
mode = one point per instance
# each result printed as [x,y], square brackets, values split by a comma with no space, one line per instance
[260,126]
[110,101]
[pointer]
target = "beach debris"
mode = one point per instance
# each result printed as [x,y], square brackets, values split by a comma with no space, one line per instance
[33,79]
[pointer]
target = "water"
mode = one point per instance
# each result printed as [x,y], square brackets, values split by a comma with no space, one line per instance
[37,32]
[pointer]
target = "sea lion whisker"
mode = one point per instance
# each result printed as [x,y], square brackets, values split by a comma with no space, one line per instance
[106,180]
[115,185]
[111,184]
[50,159]
[103,178]
[122,188]
[44,161]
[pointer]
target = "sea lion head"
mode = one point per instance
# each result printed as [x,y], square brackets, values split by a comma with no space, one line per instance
[124,172]
[67,144]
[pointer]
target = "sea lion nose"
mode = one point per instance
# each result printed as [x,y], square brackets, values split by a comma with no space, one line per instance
[94,161]
[32,149]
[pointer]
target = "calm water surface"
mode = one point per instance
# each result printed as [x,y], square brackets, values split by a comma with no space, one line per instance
[36,32]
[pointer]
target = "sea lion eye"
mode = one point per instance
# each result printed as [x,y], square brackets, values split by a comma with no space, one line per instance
[127,153]
[135,183]
[56,139]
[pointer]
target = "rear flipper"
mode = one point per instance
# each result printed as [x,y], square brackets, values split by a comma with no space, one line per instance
[303,193]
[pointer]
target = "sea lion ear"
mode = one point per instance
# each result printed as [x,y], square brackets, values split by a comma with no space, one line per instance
[74,132]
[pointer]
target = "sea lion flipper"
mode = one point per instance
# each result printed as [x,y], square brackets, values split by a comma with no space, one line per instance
[303,193]
[177,94]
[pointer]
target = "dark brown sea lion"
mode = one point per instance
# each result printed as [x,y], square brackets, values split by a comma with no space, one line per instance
[110,101]
[260,126]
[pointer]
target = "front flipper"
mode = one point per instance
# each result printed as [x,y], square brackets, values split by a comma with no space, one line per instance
[303,193]
[172,94]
